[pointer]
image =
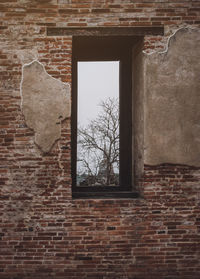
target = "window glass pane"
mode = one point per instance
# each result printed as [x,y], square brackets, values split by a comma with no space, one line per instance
[98,123]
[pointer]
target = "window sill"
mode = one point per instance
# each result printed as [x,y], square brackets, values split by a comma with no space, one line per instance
[105,195]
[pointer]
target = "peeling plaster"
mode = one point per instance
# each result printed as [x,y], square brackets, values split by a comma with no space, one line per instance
[172,101]
[45,103]
[169,38]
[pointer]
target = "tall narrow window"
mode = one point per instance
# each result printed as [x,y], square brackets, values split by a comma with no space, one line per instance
[102,134]
[98,123]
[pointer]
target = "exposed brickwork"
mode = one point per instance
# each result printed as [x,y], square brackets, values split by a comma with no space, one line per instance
[46,234]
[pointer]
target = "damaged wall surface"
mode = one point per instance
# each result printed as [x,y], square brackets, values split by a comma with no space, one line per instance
[45,104]
[44,233]
[172,102]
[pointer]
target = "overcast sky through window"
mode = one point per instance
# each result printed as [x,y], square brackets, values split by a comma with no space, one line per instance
[96,82]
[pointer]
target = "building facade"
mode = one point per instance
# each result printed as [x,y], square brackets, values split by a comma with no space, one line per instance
[45,232]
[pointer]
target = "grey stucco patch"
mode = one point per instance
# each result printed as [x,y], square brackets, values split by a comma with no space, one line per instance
[172,102]
[45,103]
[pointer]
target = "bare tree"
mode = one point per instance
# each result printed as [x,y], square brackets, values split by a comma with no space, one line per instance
[98,145]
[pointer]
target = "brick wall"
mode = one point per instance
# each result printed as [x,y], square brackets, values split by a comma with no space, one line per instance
[43,232]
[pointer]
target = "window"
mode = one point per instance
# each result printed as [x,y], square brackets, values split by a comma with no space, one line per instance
[98,123]
[95,171]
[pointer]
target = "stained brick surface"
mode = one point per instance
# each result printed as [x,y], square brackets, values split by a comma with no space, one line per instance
[43,232]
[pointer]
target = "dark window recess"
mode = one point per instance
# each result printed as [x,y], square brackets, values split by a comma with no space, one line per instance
[86,184]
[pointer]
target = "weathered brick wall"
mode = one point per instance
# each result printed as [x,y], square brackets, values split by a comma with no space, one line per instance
[46,234]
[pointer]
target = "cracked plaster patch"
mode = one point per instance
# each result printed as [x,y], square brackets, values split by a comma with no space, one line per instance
[172,101]
[45,103]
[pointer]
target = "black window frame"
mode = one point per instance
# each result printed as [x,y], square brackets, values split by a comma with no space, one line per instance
[107,48]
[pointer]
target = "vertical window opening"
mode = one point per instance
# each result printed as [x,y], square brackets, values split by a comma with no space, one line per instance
[103,81]
[98,154]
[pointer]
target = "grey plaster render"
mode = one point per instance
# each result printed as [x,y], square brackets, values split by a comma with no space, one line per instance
[45,103]
[172,102]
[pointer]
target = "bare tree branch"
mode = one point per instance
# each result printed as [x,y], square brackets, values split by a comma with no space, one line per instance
[98,143]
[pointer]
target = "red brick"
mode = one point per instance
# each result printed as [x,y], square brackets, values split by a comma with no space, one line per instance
[44,232]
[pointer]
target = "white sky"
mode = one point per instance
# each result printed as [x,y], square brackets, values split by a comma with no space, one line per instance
[96,81]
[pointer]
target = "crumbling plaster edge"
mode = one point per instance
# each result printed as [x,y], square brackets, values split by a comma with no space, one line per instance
[169,39]
[157,53]
[21,95]
[22,78]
